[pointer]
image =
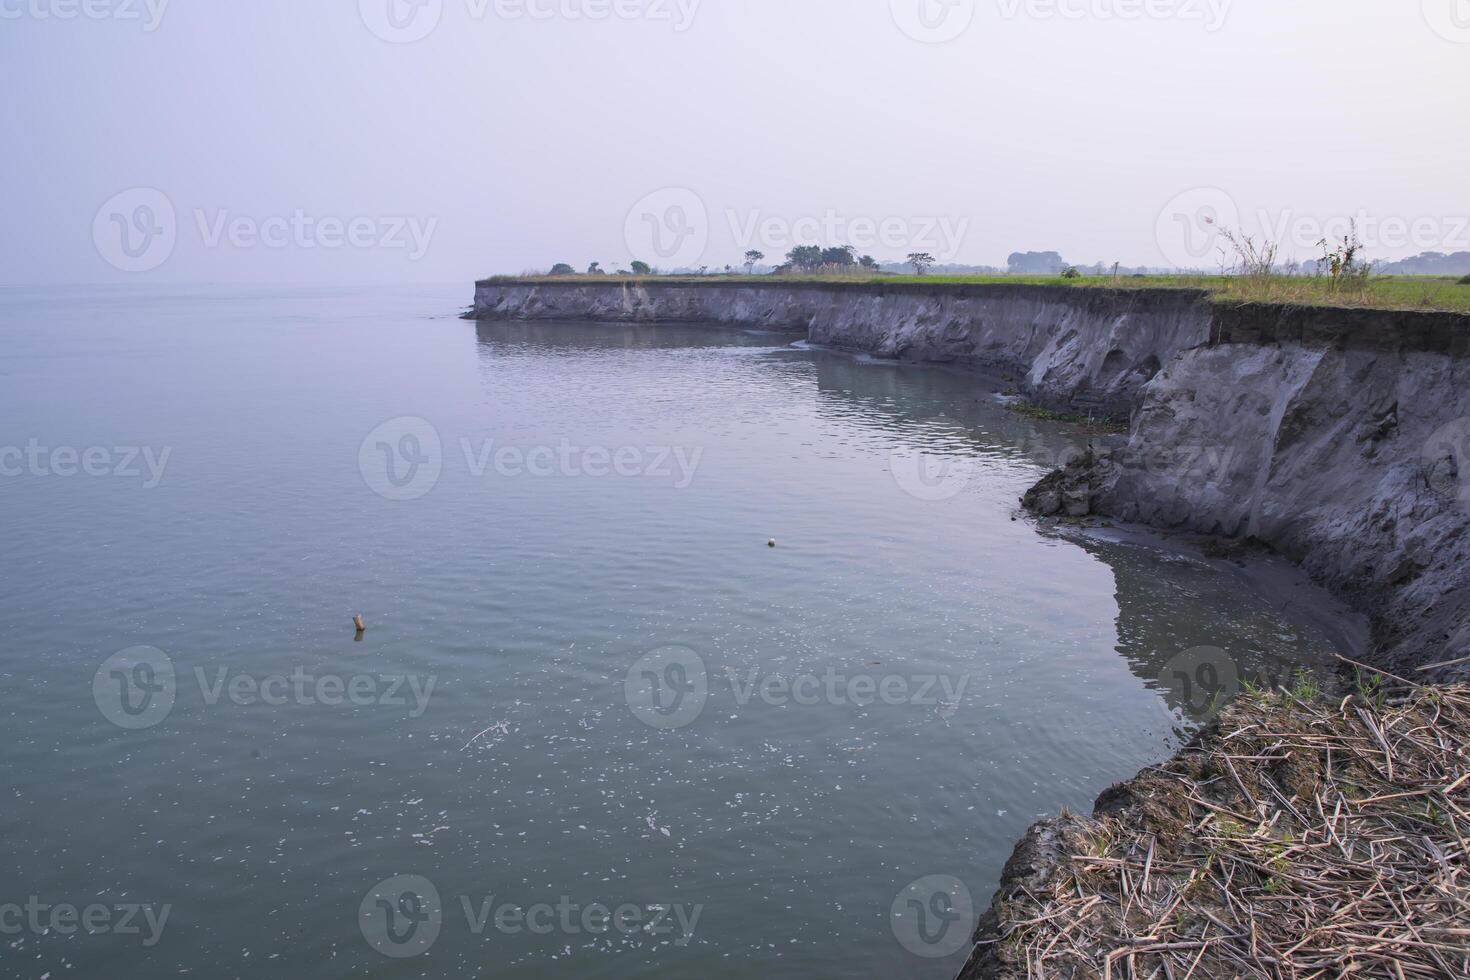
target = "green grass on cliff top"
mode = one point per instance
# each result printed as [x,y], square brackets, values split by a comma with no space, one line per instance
[1380,292]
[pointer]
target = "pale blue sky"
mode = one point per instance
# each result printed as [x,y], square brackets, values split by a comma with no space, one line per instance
[502,141]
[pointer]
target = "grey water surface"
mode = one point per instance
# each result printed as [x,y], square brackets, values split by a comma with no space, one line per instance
[589,687]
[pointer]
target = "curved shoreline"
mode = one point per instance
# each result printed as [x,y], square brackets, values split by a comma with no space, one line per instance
[1331,436]
[1337,438]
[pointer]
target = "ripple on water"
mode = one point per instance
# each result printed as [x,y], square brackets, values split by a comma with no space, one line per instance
[526,600]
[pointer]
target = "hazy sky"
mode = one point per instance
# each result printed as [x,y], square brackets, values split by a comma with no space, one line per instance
[438,140]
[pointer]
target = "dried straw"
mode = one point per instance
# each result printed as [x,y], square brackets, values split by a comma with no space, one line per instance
[1303,839]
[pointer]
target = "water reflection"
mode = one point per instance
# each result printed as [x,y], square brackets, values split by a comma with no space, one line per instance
[1195,631]
[1197,662]
[510,338]
[529,597]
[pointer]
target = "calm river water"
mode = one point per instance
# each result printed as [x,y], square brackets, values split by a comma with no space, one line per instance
[597,726]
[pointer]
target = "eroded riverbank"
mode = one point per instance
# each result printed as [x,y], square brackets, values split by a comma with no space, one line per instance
[1338,438]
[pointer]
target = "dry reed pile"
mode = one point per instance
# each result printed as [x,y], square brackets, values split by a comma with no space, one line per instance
[1303,839]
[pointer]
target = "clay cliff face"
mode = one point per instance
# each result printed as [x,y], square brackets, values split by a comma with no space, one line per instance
[1350,454]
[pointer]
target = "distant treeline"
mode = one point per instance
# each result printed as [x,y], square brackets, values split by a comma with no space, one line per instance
[1428,264]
